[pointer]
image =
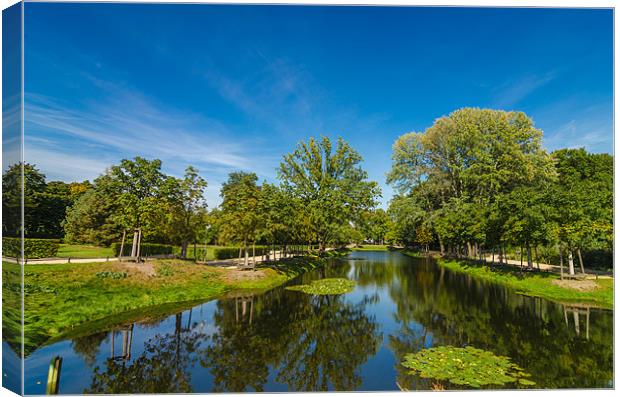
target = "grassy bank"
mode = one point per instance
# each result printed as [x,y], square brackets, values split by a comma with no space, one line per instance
[535,284]
[61,298]
[370,247]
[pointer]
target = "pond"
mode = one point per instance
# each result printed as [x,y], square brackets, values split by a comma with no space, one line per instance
[284,340]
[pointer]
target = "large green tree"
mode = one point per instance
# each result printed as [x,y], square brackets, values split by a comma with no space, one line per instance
[330,184]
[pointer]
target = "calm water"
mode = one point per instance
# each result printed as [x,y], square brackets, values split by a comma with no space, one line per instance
[285,340]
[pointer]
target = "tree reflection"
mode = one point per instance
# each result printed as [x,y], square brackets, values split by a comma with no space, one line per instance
[311,342]
[88,346]
[560,346]
[162,367]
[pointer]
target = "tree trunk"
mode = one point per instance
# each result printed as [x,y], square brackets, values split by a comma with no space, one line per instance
[521,252]
[561,264]
[139,245]
[583,271]
[245,249]
[469,250]
[441,247]
[254,255]
[184,245]
[120,253]
[134,245]
[571,265]
[537,258]
[530,265]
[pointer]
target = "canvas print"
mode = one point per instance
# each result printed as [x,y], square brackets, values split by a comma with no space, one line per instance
[206,198]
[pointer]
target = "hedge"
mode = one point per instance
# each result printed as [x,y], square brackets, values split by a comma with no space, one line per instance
[34,248]
[233,252]
[146,249]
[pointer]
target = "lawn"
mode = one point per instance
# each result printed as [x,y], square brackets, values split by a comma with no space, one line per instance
[90,251]
[83,251]
[538,284]
[371,247]
[61,298]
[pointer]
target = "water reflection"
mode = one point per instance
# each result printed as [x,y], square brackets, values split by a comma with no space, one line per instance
[315,343]
[286,340]
[161,367]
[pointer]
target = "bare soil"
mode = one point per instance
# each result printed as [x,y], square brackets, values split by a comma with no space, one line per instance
[579,285]
[232,275]
[145,268]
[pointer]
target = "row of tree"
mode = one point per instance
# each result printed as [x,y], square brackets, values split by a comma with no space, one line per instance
[323,198]
[479,180]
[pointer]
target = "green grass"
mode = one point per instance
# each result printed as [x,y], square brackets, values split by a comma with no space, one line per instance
[537,284]
[371,247]
[63,298]
[83,251]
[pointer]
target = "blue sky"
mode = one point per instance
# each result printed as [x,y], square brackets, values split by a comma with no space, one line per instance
[236,87]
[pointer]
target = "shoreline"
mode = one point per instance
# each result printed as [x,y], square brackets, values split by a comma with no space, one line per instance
[534,284]
[70,299]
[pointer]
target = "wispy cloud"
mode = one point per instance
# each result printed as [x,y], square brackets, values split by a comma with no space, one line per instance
[593,134]
[513,92]
[70,143]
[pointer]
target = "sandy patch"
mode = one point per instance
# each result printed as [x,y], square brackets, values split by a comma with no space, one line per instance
[241,275]
[145,268]
[579,285]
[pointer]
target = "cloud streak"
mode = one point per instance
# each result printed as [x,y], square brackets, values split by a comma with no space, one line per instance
[510,94]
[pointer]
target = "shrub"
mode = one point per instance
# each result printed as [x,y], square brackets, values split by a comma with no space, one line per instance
[233,252]
[34,248]
[112,275]
[146,249]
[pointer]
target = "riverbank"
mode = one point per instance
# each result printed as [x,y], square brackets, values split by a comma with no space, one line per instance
[538,284]
[61,298]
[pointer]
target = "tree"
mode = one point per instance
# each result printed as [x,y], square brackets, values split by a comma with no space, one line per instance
[583,201]
[138,184]
[240,206]
[186,208]
[18,177]
[460,165]
[90,220]
[330,185]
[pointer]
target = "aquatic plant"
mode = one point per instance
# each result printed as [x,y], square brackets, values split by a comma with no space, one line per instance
[467,366]
[326,286]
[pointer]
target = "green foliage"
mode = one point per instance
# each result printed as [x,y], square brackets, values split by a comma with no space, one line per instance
[45,203]
[330,185]
[186,208]
[33,248]
[466,366]
[326,286]
[90,220]
[240,216]
[147,249]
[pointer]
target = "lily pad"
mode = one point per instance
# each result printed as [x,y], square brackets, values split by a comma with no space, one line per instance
[326,286]
[467,366]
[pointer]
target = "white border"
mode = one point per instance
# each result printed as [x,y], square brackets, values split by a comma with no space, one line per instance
[478,3]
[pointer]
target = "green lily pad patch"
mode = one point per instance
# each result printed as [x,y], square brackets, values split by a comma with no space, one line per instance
[467,366]
[326,286]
